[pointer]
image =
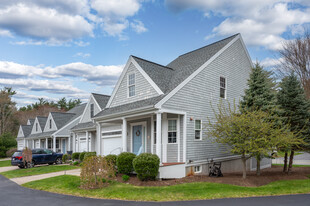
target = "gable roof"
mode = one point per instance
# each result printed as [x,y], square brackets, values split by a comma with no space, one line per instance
[26,130]
[61,119]
[101,99]
[85,125]
[78,110]
[31,121]
[42,121]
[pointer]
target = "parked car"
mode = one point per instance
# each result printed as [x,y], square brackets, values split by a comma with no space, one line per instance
[39,156]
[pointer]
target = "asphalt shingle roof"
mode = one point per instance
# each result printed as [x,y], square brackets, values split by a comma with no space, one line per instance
[26,130]
[101,99]
[31,121]
[61,118]
[42,121]
[84,125]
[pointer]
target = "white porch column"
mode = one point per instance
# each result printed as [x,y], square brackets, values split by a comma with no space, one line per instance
[184,136]
[39,143]
[90,142]
[69,142]
[46,143]
[158,136]
[178,138]
[32,144]
[87,141]
[98,138]
[25,143]
[164,137]
[54,143]
[73,143]
[152,134]
[124,135]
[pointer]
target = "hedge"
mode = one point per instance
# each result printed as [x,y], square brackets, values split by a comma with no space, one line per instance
[89,154]
[146,166]
[111,159]
[124,162]
[76,156]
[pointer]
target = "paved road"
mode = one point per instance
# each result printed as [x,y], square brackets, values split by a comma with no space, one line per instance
[12,194]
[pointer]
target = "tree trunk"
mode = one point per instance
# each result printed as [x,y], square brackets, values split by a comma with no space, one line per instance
[244,166]
[285,162]
[258,158]
[291,162]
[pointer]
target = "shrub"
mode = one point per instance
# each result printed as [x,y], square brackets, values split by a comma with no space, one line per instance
[75,163]
[82,155]
[76,156]
[111,159]
[146,166]
[95,172]
[2,151]
[125,178]
[124,162]
[89,154]
[64,158]
[10,152]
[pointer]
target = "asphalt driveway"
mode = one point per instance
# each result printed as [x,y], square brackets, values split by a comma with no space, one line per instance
[12,194]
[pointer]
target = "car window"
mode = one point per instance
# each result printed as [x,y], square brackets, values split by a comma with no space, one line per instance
[47,151]
[17,154]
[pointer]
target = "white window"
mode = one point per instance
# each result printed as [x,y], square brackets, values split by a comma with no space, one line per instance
[172,131]
[36,127]
[155,132]
[131,85]
[197,169]
[223,87]
[198,129]
[50,124]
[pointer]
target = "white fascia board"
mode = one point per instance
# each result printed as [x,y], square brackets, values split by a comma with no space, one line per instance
[50,116]
[246,51]
[20,129]
[147,77]
[54,134]
[188,79]
[85,108]
[119,82]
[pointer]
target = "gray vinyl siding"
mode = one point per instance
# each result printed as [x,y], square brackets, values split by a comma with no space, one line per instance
[86,117]
[143,89]
[203,90]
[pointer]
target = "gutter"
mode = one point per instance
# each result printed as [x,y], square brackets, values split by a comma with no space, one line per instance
[207,161]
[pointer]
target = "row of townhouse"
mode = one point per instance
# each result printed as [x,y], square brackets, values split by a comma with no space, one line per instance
[156,109]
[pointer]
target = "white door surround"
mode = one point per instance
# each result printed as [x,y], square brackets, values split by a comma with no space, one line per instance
[144,133]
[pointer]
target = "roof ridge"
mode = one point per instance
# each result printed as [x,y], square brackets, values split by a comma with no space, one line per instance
[152,62]
[209,44]
[101,94]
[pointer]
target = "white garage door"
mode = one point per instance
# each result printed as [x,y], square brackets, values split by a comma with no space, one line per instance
[83,146]
[20,145]
[37,144]
[111,145]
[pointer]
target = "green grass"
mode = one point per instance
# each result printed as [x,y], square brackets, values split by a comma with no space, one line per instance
[5,163]
[293,165]
[68,184]
[281,154]
[37,170]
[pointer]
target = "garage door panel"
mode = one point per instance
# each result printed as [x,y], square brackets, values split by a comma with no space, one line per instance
[111,145]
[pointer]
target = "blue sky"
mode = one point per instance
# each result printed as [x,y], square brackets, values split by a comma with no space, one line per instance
[54,49]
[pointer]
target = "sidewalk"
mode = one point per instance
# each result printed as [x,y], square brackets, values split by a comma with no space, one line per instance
[5,159]
[9,168]
[23,180]
[302,159]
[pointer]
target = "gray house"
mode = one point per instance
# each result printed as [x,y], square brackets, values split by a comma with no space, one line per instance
[162,109]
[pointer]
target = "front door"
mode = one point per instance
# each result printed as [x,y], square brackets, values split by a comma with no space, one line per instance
[137,139]
[63,144]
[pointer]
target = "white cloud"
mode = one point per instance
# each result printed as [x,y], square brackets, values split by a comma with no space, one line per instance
[24,95]
[5,33]
[261,22]
[138,26]
[81,54]
[270,62]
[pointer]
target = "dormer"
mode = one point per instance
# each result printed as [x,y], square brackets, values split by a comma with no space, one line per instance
[20,133]
[38,125]
[50,124]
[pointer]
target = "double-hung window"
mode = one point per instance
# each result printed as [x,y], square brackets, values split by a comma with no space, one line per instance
[198,129]
[172,131]
[91,110]
[223,87]
[131,85]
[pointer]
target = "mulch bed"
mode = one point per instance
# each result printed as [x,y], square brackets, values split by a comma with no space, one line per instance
[267,175]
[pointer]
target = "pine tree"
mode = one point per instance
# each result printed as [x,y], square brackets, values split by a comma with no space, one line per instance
[294,110]
[260,95]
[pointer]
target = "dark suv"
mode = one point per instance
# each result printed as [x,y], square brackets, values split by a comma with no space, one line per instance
[39,156]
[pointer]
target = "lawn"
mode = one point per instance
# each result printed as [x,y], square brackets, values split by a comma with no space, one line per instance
[37,170]
[68,184]
[293,165]
[5,163]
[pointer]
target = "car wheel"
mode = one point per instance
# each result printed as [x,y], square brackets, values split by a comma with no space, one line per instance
[51,163]
[30,164]
[58,161]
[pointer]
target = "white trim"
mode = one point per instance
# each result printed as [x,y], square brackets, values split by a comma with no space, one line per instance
[164,136]
[172,111]
[128,74]
[124,134]
[177,130]
[225,94]
[152,134]
[246,51]
[184,136]
[144,133]
[46,127]
[199,171]
[179,138]
[96,103]
[144,74]
[188,79]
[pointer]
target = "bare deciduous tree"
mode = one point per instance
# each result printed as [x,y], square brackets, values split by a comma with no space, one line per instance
[295,56]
